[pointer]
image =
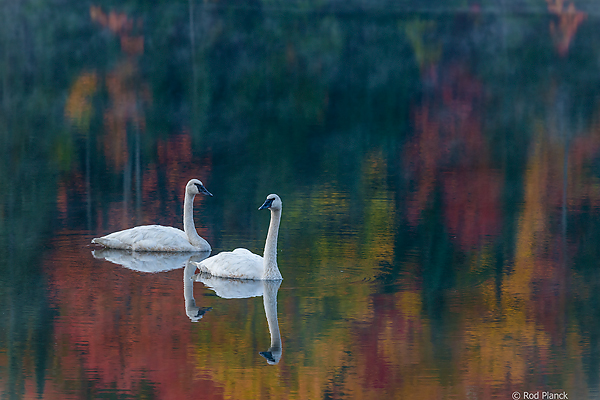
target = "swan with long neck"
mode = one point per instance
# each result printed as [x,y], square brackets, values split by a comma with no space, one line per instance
[242,263]
[163,238]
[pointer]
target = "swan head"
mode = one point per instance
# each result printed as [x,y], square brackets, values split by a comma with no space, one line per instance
[194,313]
[195,187]
[273,202]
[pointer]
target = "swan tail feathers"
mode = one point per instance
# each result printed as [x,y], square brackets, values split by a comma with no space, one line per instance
[111,243]
[201,267]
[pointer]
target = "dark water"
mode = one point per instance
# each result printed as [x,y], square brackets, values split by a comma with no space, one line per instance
[439,167]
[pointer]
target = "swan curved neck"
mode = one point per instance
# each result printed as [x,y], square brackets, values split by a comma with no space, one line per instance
[188,221]
[270,254]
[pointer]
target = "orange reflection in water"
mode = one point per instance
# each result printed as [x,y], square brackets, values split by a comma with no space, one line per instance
[569,20]
[511,327]
[123,26]
[78,107]
[128,92]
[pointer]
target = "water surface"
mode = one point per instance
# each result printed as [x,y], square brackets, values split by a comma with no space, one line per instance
[439,170]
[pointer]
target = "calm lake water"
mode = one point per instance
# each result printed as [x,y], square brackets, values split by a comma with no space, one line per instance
[439,166]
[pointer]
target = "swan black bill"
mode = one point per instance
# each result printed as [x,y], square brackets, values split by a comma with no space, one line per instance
[268,356]
[203,190]
[203,311]
[266,204]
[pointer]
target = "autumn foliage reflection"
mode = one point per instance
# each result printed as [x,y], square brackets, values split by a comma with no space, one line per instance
[364,311]
[449,158]
[128,92]
[569,19]
[524,320]
[120,330]
[79,104]
[123,26]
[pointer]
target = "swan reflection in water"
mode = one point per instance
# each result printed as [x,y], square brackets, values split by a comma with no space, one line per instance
[154,262]
[193,312]
[149,261]
[241,289]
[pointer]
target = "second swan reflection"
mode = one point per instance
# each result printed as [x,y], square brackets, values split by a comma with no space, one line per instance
[240,289]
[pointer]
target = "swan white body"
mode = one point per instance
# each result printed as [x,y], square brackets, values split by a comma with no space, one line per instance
[242,263]
[163,238]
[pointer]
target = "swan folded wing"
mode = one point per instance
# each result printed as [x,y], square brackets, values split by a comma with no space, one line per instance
[237,264]
[147,238]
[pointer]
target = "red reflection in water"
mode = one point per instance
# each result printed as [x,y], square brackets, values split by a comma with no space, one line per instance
[448,151]
[174,167]
[117,328]
[472,204]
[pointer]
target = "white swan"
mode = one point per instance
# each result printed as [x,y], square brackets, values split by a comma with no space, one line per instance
[242,263]
[238,289]
[163,238]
